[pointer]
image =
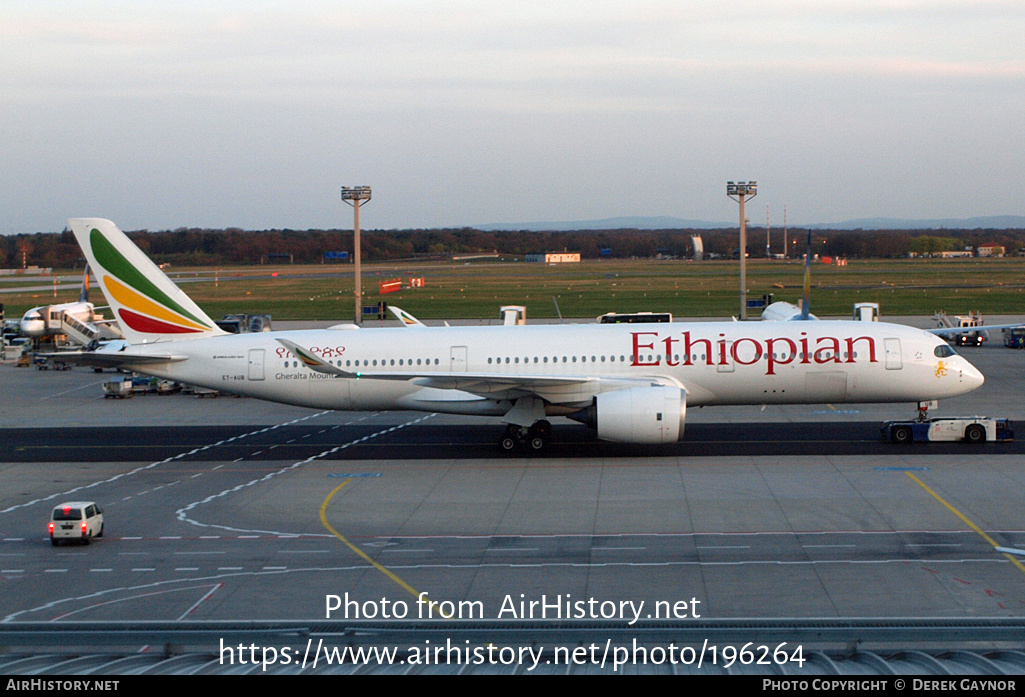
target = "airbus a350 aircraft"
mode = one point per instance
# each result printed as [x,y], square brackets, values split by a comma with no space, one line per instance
[633,383]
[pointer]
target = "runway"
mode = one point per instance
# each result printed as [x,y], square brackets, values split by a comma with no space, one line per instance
[233,509]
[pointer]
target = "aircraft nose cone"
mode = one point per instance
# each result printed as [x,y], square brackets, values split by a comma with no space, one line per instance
[972,376]
[32,327]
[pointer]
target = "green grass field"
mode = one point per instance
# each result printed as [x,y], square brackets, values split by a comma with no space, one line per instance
[476,290]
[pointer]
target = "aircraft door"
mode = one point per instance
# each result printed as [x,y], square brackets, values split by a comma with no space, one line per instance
[256,357]
[892,349]
[457,362]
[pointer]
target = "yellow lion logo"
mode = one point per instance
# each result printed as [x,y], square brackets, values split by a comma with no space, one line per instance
[941,369]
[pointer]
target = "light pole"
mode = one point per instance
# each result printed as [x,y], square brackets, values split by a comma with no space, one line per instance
[356,196]
[740,191]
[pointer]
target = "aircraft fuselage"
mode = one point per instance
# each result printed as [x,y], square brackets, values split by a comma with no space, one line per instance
[716,363]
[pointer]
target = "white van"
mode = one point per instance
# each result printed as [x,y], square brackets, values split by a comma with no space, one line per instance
[76,520]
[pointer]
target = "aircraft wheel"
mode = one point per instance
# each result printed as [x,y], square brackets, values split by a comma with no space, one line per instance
[975,434]
[536,444]
[508,443]
[901,434]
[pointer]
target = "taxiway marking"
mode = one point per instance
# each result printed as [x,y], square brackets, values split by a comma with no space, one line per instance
[973,526]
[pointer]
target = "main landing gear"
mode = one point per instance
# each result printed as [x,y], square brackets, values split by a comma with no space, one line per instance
[532,440]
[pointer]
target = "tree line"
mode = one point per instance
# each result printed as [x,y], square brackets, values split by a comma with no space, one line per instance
[204,247]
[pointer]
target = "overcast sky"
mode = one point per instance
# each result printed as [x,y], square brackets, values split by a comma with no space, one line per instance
[253,114]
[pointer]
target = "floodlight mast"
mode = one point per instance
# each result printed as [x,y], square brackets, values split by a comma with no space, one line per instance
[356,196]
[740,191]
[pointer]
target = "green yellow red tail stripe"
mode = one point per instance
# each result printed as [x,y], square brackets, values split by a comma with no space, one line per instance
[148,305]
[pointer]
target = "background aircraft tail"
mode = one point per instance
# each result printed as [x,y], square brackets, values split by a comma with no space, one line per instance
[83,296]
[148,305]
[806,299]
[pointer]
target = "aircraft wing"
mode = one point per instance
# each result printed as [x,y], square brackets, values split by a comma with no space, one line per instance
[954,331]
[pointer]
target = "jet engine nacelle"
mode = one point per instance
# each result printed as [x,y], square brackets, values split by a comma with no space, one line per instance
[638,414]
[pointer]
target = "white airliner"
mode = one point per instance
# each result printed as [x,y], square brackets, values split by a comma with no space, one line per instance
[633,383]
[47,320]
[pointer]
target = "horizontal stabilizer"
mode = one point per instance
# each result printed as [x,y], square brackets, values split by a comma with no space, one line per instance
[116,354]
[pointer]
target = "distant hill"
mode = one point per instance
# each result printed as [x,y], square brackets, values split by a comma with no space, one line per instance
[993,222]
[662,222]
[665,222]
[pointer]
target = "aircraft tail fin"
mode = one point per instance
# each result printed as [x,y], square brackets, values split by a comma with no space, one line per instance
[404,317]
[806,299]
[83,297]
[148,305]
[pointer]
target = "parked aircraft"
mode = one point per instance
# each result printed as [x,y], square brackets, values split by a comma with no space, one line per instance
[77,320]
[632,383]
[47,319]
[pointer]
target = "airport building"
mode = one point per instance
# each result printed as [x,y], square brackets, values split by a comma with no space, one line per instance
[554,257]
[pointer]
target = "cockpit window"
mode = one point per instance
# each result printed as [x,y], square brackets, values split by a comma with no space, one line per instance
[944,351]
